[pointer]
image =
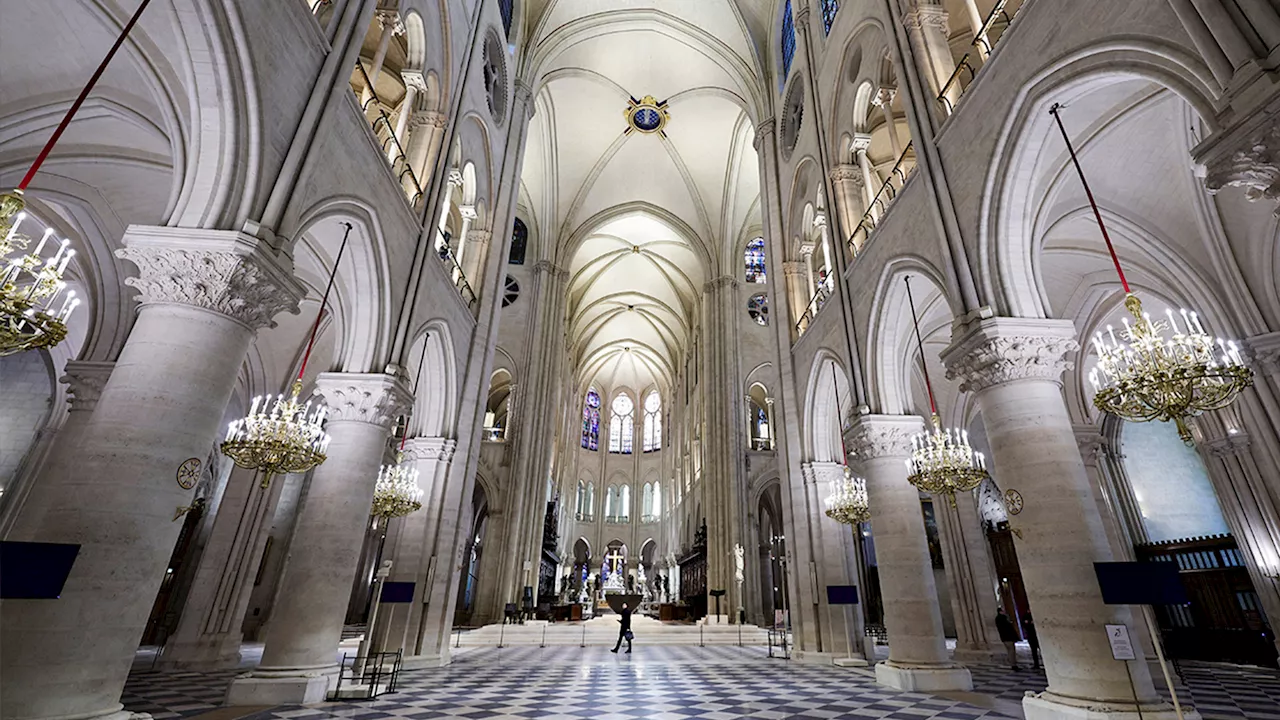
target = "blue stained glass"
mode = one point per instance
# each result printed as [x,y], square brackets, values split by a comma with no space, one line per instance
[788,42]
[591,421]
[754,258]
[829,10]
[648,119]
[506,7]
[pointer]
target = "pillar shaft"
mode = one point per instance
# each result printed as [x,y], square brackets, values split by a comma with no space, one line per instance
[203,294]
[917,646]
[842,628]
[1013,366]
[305,627]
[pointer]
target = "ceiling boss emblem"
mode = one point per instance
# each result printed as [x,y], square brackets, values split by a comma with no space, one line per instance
[647,115]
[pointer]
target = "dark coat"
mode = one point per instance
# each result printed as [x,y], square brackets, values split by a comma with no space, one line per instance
[626,619]
[1005,627]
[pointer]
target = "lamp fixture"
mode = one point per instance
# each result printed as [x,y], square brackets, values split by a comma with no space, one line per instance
[30,284]
[848,503]
[942,461]
[397,492]
[1141,374]
[283,435]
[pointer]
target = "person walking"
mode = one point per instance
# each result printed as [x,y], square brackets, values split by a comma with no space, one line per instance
[1029,632]
[624,632]
[1008,636]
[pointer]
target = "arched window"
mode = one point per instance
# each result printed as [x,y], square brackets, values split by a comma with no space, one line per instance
[622,425]
[788,43]
[829,10]
[611,503]
[519,242]
[506,7]
[755,261]
[591,421]
[652,422]
[646,503]
[624,502]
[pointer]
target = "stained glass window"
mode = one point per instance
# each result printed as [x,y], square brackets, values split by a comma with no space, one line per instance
[829,10]
[758,308]
[754,258]
[622,426]
[652,422]
[519,241]
[788,43]
[591,421]
[506,7]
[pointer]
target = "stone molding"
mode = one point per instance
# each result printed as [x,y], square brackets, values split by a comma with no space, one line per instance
[85,380]
[1090,441]
[1253,165]
[389,19]
[1263,352]
[374,398]
[860,143]
[1229,446]
[550,268]
[720,283]
[763,131]
[846,173]
[822,474]
[226,272]
[454,177]
[468,212]
[430,448]
[872,437]
[428,118]
[479,237]
[802,18]
[884,96]
[793,267]
[1000,350]
[931,17]
[414,79]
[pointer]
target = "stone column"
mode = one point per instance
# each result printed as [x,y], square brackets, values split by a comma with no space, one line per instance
[850,201]
[828,260]
[453,181]
[768,413]
[1013,366]
[300,661]
[806,252]
[970,577]
[391,25]
[208,635]
[413,84]
[841,627]
[477,251]
[884,98]
[793,272]
[870,180]
[928,30]
[204,293]
[426,132]
[413,554]
[917,647]
[85,381]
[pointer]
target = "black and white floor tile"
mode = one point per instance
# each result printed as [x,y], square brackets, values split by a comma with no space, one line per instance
[669,682]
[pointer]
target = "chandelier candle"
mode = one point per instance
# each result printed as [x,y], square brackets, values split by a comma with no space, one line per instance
[30,285]
[847,504]
[397,493]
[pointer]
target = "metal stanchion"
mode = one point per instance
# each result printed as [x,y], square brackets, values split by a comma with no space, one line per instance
[584,634]
[502,634]
[544,637]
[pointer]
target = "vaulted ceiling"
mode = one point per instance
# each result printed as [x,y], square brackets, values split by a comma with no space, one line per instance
[686,197]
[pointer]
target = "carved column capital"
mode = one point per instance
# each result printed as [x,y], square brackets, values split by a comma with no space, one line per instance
[822,474]
[846,173]
[1091,443]
[720,283]
[414,79]
[764,130]
[1001,350]
[430,448]
[793,268]
[860,143]
[374,398]
[389,20]
[927,17]
[229,273]
[1249,160]
[884,96]
[479,237]
[1229,446]
[872,437]
[428,118]
[454,177]
[1263,352]
[85,380]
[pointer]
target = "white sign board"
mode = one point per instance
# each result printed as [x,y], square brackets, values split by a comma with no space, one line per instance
[1121,645]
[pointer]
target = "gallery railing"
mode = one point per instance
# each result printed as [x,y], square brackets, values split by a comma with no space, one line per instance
[984,42]
[376,114]
[884,197]
[450,261]
[815,304]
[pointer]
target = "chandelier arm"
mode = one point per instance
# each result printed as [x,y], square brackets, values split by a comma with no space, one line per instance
[933,405]
[1089,193]
[84,93]
[324,301]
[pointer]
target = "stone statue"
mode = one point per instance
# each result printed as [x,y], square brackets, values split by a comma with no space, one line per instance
[737,562]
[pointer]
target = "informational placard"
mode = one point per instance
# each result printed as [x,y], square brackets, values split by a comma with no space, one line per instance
[842,594]
[1121,645]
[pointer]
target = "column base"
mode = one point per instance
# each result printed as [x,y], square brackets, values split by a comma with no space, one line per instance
[420,662]
[278,688]
[200,656]
[974,656]
[824,658]
[1047,706]
[924,678]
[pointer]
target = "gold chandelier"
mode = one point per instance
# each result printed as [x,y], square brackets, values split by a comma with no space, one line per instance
[942,462]
[847,503]
[31,285]
[1141,375]
[397,493]
[285,436]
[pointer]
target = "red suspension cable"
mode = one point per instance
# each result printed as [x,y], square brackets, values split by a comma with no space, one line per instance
[84,93]
[325,301]
[933,406]
[1089,193]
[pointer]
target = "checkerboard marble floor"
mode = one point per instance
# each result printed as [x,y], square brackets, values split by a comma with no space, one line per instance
[669,682]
